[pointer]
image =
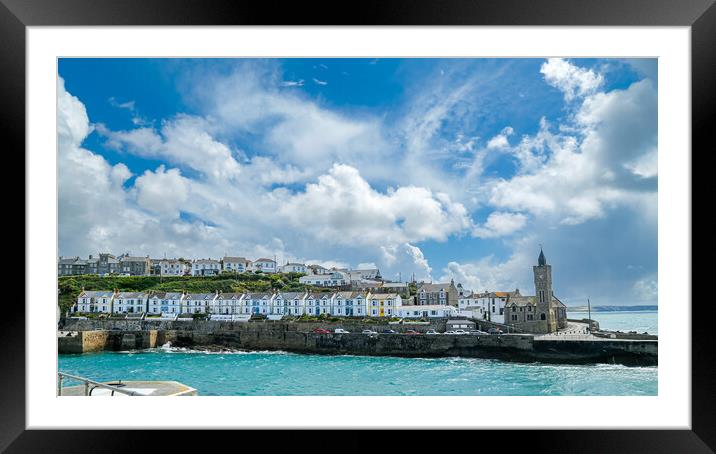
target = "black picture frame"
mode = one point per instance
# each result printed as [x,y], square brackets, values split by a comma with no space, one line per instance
[700,15]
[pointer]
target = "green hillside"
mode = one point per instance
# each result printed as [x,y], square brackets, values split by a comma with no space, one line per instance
[70,286]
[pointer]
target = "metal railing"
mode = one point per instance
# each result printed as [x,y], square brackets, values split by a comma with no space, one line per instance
[90,385]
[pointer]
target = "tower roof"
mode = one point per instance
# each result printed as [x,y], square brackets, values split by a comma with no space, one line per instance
[541,261]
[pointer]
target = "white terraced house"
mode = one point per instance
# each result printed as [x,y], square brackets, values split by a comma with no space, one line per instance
[227,304]
[430,311]
[334,279]
[317,269]
[494,303]
[260,303]
[296,305]
[173,267]
[367,274]
[130,303]
[384,304]
[264,265]
[293,268]
[94,301]
[325,303]
[288,303]
[165,302]
[235,264]
[198,303]
[348,304]
[473,305]
[205,267]
[250,303]
[312,304]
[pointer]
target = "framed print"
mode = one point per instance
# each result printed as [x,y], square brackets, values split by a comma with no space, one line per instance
[463,216]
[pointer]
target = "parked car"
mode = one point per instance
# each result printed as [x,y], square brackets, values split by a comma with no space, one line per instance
[341,331]
[431,331]
[449,332]
[411,331]
[321,331]
[369,332]
[494,331]
[476,332]
[389,331]
[460,332]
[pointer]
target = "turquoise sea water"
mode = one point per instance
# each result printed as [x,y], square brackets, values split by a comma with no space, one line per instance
[284,374]
[638,321]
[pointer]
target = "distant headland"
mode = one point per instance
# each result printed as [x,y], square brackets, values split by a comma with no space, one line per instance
[612,308]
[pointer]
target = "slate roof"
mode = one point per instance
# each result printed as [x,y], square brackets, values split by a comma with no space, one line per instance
[433,288]
[291,295]
[96,294]
[134,259]
[132,295]
[383,295]
[200,296]
[228,296]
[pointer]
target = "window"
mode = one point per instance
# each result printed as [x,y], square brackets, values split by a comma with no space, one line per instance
[514,317]
[514,309]
[542,317]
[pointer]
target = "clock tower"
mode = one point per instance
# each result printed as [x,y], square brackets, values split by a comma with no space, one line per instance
[543,291]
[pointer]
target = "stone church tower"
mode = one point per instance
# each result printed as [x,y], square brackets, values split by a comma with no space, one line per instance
[543,294]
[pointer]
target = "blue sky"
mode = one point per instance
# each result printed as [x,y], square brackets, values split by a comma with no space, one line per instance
[446,168]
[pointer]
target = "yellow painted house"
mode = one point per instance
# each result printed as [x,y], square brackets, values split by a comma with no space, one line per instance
[383,304]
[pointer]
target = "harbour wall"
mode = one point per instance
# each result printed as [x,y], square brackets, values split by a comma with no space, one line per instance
[299,338]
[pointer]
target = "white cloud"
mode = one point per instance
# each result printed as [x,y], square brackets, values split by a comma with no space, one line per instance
[409,260]
[319,82]
[72,121]
[164,192]
[645,166]
[577,176]
[292,83]
[572,80]
[490,274]
[500,224]
[343,208]
[290,128]
[128,105]
[500,140]
[185,140]
[646,290]
[366,265]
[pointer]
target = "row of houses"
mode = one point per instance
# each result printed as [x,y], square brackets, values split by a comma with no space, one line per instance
[541,313]
[105,264]
[346,304]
